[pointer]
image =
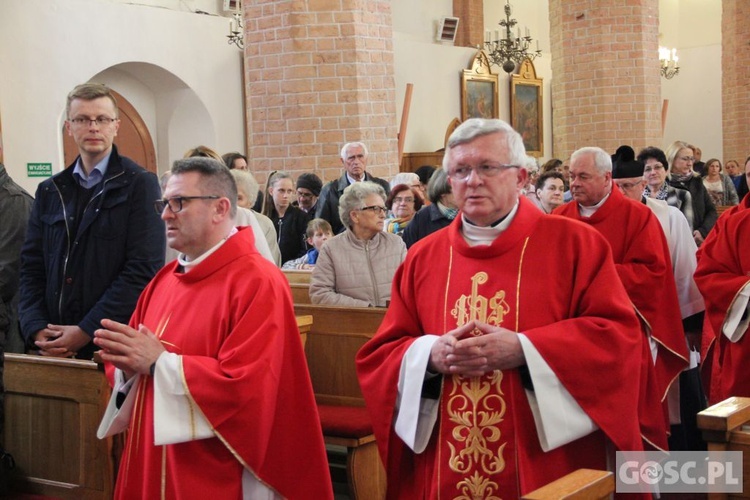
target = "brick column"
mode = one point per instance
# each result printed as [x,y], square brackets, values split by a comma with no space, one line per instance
[319,73]
[735,63]
[471,22]
[606,90]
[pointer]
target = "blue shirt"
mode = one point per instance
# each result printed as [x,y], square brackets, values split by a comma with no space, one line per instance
[96,176]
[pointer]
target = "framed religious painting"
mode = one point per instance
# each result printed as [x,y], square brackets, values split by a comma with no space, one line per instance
[479,90]
[526,108]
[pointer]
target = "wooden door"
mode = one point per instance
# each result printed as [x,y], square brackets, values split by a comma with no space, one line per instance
[133,139]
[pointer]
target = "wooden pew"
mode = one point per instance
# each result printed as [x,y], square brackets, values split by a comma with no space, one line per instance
[300,293]
[299,282]
[52,410]
[583,484]
[726,427]
[298,277]
[336,335]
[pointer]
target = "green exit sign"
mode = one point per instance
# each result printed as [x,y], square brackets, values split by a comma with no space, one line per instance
[39,169]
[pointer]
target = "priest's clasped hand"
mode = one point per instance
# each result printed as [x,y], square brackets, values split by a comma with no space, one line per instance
[475,349]
[132,351]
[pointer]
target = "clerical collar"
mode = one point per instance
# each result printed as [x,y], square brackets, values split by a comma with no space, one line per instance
[484,236]
[187,265]
[589,211]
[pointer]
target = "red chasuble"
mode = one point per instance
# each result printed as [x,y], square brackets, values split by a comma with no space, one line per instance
[723,270]
[231,319]
[547,277]
[642,259]
[710,366]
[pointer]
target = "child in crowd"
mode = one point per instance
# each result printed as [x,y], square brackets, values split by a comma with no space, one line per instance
[318,232]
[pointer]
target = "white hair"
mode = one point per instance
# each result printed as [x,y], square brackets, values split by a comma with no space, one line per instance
[602,159]
[408,178]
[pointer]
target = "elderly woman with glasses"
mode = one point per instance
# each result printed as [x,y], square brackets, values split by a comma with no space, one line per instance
[356,268]
[404,202]
[681,175]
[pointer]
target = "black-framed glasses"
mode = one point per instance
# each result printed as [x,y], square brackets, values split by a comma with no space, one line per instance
[378,209]
[483,171]
[175,203]
[101,121]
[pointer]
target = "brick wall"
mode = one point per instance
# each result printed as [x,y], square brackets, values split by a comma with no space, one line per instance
[471,22]
[735,80]
[319,73]
[606,90]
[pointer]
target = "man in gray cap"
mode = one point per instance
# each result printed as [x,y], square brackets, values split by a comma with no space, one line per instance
[308,190]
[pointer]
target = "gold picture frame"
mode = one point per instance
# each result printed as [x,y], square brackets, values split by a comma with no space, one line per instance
[479,98]
[527,108]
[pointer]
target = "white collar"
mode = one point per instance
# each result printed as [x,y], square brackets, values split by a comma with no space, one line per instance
[589,211]
[484,236]
[187,265]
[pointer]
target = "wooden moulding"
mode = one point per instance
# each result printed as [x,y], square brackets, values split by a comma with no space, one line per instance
[583,484]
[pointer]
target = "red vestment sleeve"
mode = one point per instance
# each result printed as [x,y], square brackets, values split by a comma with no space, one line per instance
[723,270]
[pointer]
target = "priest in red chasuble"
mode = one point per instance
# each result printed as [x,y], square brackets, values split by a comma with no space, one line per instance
[711,369]
[509,355]
[723,276]
[641,256]
[211,380]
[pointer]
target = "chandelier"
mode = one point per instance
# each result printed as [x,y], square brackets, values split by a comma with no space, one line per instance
[668,62]
[236,28]
[510,50]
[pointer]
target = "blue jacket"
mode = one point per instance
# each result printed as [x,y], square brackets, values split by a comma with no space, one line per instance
[99,272]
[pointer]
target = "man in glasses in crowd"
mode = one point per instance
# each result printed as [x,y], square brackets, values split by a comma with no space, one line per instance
[212,370]
[354,159]
[479,378]
[93,239]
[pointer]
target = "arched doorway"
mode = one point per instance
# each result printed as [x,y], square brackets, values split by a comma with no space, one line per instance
[133,138]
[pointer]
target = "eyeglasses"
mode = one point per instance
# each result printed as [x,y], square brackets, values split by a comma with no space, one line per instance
[374,208]
[304,195]
[653,168]
[101,121]
[483,171]
[403,200]
[175,203]
[686,158]
[627,185]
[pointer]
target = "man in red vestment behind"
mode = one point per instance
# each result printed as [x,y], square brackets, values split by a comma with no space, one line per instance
[723,277]
[482,379]
[211,379]
[642,260]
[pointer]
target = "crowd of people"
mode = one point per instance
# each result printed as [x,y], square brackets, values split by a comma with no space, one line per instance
[493,272]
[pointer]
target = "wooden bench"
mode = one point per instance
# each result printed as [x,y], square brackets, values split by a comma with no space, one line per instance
[52,410]
[299,282]
[336,335]
[583,484]
[726,427]
[297,277]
